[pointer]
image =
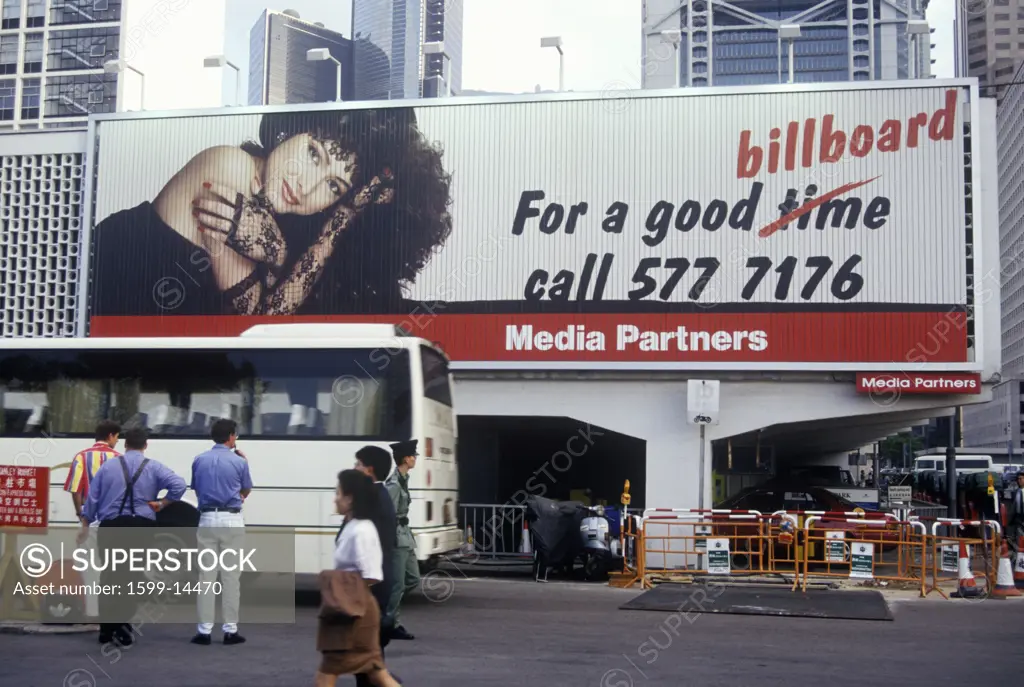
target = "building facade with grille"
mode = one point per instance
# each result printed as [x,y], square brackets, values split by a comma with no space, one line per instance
[747,42]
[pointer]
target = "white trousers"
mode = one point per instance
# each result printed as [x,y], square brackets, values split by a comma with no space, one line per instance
[91,576]
[220,531]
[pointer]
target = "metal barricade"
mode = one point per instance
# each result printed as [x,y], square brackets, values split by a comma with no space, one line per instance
[879,549]
[944,552]
[495,532]
[680,543]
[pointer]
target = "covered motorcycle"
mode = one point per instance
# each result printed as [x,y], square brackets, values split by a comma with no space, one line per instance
[555,531]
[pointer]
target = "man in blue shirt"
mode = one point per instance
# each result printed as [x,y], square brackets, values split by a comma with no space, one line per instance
[124,494]
[220,478]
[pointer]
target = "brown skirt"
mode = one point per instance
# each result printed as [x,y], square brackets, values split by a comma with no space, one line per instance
[352,647]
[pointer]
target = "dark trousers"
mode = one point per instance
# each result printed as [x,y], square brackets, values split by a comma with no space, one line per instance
[122,606]
[363,680]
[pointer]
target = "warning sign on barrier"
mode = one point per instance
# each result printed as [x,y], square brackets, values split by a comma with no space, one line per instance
[861,559]
[718,557]
[950,557]
[702,531]
[835,546]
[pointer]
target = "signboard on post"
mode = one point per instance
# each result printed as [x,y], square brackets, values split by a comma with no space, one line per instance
[835,546]
[24,497]
[900,494]
[702,401]
[862,556]
[718,557]
[713,248]
[950,556]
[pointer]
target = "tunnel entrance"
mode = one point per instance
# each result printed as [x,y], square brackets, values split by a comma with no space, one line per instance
[505,459]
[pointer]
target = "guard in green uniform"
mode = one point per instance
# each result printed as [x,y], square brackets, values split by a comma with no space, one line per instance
[406,565]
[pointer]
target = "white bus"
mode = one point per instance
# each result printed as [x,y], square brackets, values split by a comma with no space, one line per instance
[305,397]
[962,463]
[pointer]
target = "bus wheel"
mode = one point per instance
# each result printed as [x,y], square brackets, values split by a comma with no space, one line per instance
[429,565]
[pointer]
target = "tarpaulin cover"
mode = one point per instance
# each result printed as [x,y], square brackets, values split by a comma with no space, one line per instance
[555,526]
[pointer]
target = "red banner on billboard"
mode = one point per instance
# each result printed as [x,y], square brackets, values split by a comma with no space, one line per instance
[652,337]
[910,383]
[24,496]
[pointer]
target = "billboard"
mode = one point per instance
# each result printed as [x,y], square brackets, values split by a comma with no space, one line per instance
[743,228]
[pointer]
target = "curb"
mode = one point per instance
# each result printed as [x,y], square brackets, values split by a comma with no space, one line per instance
[40,629]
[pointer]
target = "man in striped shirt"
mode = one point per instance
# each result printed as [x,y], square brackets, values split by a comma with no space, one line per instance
[86,463]
[84,467]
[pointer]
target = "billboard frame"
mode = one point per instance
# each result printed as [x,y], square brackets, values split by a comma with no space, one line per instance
[979,180]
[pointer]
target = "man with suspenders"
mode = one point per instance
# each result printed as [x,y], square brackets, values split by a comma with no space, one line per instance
[124,494]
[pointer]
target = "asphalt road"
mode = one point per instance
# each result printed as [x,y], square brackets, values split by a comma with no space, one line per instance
[506,632]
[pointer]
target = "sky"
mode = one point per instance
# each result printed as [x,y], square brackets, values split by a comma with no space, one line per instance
[601,40]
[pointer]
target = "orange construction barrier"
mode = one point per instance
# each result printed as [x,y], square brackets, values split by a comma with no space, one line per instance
[856,548]
[953,554]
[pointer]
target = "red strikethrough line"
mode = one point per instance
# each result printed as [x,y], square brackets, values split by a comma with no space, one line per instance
[810,205]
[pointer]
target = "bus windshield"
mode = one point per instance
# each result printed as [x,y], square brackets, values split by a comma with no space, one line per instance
[329,393]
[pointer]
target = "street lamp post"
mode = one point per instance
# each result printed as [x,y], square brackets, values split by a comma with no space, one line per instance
[556,43]
[915,28]
[118,67]
[674,37]
[437,48]
[789,33]
[219,61]
[324,55]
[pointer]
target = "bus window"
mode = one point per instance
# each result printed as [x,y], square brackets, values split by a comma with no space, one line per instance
[270,393]
[436,384]
[973,464]
[52,393]
[329,392]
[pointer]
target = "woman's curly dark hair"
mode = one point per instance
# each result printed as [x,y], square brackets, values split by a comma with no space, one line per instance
[388,245]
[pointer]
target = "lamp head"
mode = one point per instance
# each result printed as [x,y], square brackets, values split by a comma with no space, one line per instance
[318,55]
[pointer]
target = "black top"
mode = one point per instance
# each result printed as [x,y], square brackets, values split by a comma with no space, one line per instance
[140,266]
[387,530]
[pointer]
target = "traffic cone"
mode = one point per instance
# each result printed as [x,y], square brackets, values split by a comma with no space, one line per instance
[1018,569]
[1004,577]
[468,547]
[967,588]
[525,547]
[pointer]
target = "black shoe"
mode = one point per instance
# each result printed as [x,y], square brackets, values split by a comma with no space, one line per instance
[124,637]
[400,632]
[233,638]
[202,639]
[106,639]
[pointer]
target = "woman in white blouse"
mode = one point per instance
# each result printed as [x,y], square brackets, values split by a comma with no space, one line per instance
[354,647]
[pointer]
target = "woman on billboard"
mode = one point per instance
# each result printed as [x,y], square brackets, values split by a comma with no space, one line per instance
[328,212]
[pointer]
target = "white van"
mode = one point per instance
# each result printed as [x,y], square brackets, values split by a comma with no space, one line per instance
[964,463]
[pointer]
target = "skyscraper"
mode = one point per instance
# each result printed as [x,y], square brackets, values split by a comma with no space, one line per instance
[407,48]
[51,62]
[989,41]
[741,42]
[279,72]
